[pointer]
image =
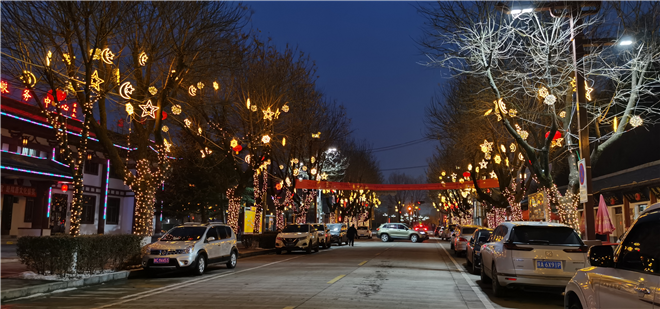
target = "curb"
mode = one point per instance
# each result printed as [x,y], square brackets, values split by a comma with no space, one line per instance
[49,287]
[255,253]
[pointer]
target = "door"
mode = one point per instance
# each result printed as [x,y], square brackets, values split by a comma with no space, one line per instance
[225,243]
[7,213]
[214,246]
[633,282]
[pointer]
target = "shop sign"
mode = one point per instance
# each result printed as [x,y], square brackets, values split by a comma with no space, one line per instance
[19,190]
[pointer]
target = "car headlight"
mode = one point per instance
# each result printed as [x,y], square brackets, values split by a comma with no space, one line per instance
[422,233]
[189,249]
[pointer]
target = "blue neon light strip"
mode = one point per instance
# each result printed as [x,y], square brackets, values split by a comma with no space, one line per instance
[107,180]
[50,192]
[52,158]
[33,172]
[20,154]
[171,158]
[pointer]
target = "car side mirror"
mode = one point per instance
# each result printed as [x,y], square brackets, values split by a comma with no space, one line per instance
[601,256]
[210,238]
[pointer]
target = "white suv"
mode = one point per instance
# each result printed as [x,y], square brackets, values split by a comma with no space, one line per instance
[531,254]
[628,277]
[297,237]
[192,246]
[363,231]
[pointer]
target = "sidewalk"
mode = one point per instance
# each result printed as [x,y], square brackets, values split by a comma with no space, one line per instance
[13,286]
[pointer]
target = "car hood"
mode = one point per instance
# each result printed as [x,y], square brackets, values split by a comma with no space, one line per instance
[167,245]
[293,235]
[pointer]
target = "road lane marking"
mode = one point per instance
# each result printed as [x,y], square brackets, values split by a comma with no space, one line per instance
[167,288]
[336,279]
[365,262]
[482,297]
[289,307]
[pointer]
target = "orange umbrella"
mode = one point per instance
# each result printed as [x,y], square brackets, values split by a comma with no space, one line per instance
[603,222]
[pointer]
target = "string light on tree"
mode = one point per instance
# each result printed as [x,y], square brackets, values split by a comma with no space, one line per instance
[176,109]
[149,110]
[126,90]
[142,59]
[96,81]
[268,114]
[636,121]
[153,90]
[265,139]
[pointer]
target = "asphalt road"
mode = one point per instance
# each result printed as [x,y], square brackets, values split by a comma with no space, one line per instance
[372,274]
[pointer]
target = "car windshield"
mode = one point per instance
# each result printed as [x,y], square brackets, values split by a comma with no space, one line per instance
[468,230]
[296,228]
[362,228]
[334,227]
[184,233]
[545,235]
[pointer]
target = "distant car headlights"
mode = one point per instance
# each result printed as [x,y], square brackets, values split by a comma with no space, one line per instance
[423,233]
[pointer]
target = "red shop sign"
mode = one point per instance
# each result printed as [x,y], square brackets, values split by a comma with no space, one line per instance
[19,190]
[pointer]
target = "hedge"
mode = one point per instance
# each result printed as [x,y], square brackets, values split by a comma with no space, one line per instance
[61,255]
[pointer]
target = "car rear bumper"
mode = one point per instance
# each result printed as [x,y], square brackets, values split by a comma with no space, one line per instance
[460,246]
[531,280]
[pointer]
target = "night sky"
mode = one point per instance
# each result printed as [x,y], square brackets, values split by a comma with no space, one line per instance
[367,60]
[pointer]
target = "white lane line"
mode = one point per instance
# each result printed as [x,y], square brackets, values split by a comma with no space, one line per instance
[166,288]
[482,297]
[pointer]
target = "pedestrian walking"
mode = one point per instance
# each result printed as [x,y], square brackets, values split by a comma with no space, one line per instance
[351,233]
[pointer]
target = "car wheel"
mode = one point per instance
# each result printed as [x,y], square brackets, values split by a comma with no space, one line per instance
[318,245]
[575,305]
[278,251]
[498,290]
[484,277]
[414,238]
[200,265]
[233,259]
[385,237]
[308,249]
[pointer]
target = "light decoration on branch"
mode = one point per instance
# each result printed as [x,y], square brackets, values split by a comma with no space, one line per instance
[149,110]
[312,160]
[216,86]
[142,59]
[199,130]
[502,147]
[513,112]
[268,114]
[153,90]
[4,87]
[126,90]
[265,139]
[26,95]
[512,147]
[129,109]
[636,121]
[95,53]
[304,168]
[493,175]
[200,85]
[488,112]
[107,56]
[498,159]
[296,172]
[285,108]
[28,79]
[233,143]
[247,159]
[247,103]
[253,108]
[165,128]
[49,56]
[523,134]
[587,91]
[487,146]
[443,173]
[562,114]
[316,135]
[543,92]
[283,141]
[192,91]
[313,171]
[187,122]
[167,145]
[96,81]
[487,156]
[67,58]
[469,167]
[501,106]
[521,157]
[176,109]
[550,100]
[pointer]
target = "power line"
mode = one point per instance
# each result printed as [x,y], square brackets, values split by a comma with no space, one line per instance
[403,168]
[400,145]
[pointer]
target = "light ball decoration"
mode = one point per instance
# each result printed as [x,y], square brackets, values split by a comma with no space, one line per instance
[502,147]
[636,121]
[313,171]
[443,173]
[304,168]
[498,159]
[265,139]
[129,109]
[165,128]
[281,166]
[285,108]
[483,164]
[153,90]
[550,99]
[176,109]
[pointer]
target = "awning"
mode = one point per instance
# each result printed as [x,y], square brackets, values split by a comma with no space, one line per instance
[33,167]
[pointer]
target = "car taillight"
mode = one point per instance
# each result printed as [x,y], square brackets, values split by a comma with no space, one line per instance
[581,249]
[377,229]
[462,239]
[511,246]
[426,229]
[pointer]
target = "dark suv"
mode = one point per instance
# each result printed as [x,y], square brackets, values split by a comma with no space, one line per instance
[473,251]
[338,233]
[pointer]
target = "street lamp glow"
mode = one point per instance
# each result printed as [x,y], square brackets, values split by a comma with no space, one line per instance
[625,42]
[527,10]
[332,149]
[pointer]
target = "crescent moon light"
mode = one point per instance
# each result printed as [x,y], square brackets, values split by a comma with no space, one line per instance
[107,56]
[142,59]
[192,91]
[125,90]
[28,78]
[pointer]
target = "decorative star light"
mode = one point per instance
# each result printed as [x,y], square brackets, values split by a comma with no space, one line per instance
[562,114]
[153,90]
[550,99]
[483,164]
[268,114]
[512,147]
[453,175]
[493,175]
[285,108]
[557,142]
[187,122]
[129,109]
[167,145]
[543,92]
[636,121]
[176,109]
[265,139]
[96,81]
[486,147]
[324,176]
[165,128]
[587,91]
[149,110]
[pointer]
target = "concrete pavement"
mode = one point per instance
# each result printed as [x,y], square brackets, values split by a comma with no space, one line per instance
[372,274]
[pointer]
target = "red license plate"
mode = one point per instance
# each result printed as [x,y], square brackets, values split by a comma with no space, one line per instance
[161,260]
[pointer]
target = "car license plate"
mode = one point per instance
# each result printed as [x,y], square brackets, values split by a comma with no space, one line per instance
[290,244]
[161,260]
[548,264]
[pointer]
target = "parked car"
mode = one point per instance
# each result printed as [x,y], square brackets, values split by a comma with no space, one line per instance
[324,235]
[297,237]
[438,231]
[363,231]
[338,233]
[390,231]
[531,253]
[461,238]
[192,246]
[447,232]
[625,277]
[473,251]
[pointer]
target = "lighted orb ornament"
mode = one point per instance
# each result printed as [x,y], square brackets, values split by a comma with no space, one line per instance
[216,86]
[165,128]
[129,109]
[550,99]
[265,139]
[636,121]
[200,85]
[153,90]
[512,147]
[28,78]
[304,168]
[281,166]
[443,173]
[285,108]
[278,186]
[176,109]
[192,91]
[483,164]
[126,90]
[107,56]
[142,59]
[149,110]
[268,114]
[498,159]
[562,114]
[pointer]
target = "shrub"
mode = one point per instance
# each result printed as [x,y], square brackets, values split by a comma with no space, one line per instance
[47,255]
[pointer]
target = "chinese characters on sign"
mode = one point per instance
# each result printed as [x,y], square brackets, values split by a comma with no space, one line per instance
[19,190]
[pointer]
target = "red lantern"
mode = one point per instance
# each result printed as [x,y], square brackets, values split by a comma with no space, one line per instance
[65,187]
[238,148]
[466,174]
[61,95]
[278,186]
[557,135]
[164,115]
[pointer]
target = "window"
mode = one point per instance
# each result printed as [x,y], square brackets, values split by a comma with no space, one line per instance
[641,248]
[228,231]
[213,232]
[91,168]
[499,233]
[112,212]
[29,209]
[29,152]
[88,209]
[545,235]
[222,232]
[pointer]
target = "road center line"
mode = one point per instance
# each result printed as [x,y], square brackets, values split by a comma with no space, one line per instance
[482,297]
[365,262]
[336,279]
[184,284]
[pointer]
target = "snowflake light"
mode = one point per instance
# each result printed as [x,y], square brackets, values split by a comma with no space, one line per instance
[149,110]
[550,99]
[636,121]
[176,109]
[253,108]
[285,108]
[165,128]
[129,109]
[497,159]
[153,90]
[265,139]
[543,92]
[233,143]
[562,114]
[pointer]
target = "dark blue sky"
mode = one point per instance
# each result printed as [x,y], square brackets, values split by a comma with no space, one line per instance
[367,60]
